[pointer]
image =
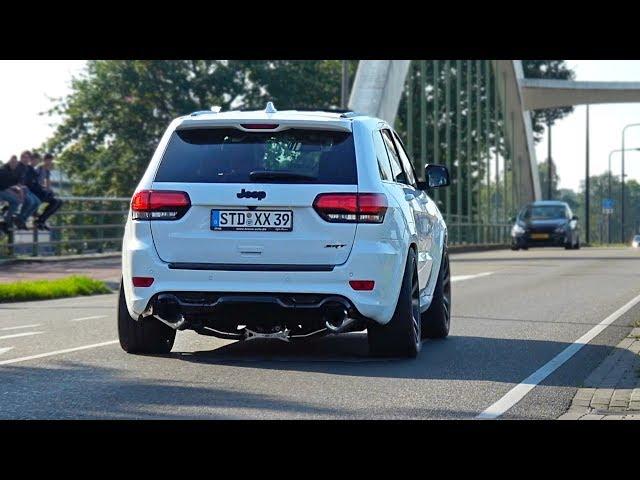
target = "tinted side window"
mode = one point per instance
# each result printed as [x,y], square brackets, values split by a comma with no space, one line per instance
[396,166]
[404,158]
[383,159]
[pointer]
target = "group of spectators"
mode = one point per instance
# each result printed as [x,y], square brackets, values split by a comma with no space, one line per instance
[25,184]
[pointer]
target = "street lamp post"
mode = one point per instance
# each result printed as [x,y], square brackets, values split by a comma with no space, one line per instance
[549,163]
[609,181]
[622,180]
[586,183]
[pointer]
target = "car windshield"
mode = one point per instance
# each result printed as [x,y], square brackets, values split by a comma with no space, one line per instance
[636,238]
[230,155]
[545,212]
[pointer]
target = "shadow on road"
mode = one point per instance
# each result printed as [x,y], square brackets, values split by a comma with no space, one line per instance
[253,379]
[75,390]
[458,358]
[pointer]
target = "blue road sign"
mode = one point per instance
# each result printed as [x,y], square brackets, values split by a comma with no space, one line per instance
[607,203]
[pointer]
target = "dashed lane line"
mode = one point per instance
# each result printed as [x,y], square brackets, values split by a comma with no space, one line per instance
[33,325]
[16,335]
[94,317]
[56,352]
[460,278]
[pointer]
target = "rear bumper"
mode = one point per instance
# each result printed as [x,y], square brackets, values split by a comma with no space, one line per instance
[554,240]
[382,261]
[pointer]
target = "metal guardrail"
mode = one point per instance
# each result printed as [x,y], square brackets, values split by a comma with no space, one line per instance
[464,230]
[96,225]
[82,225]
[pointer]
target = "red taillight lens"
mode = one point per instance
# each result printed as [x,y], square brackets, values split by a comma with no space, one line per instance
[365,285]
[142,281]
[351,207]
[159,205]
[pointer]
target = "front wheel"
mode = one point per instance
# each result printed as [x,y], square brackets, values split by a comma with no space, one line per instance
[147,335]
[437,318]
[401,337]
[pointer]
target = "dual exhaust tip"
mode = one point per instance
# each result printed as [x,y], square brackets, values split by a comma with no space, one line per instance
[167,308]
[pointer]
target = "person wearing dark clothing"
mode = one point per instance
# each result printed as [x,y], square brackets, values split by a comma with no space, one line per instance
[10,191]
[40,178]
[31,202]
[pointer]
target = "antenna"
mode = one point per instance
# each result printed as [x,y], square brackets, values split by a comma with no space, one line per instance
[216,109]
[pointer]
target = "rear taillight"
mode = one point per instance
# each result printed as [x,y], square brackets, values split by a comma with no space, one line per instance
[159,205]
[351,207]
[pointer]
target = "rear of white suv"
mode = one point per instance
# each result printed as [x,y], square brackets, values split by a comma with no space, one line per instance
[269,225]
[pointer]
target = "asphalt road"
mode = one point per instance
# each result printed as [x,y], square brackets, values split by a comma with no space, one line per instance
[513,312]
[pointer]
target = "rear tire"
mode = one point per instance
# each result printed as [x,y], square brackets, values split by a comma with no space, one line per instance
[401,337]
[436,320]
[147,335]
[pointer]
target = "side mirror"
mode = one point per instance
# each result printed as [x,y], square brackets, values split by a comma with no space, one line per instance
[437,176]
[512,219]
[575,217]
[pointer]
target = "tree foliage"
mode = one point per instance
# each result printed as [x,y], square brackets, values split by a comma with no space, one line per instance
[118,110]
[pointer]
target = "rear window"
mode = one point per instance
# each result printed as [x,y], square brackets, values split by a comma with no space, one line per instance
[229,155]
[545,212]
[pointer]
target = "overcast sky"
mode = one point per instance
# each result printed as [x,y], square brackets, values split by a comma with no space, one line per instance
[26,86]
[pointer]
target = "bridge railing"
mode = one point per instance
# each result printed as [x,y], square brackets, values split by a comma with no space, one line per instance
[96,225]
[464,230]
[82,225]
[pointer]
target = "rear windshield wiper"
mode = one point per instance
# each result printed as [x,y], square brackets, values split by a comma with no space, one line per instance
[279,175]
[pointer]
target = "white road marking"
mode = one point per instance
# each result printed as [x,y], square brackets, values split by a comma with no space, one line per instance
[21,326]
[56,352]
[5,350]
[517,393]
[459,278]
[16,335]
[87,318]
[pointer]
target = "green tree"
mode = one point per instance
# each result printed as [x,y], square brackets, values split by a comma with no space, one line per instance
[118,110]
[481,140]
[543,170]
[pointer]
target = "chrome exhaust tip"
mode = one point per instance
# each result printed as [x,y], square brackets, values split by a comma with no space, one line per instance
[337,318]
[167,309]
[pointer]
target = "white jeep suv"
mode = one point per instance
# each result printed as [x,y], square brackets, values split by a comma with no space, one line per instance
[286,225]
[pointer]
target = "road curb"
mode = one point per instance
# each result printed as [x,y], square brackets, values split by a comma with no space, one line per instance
[612,390]
[476,248]
[62,258]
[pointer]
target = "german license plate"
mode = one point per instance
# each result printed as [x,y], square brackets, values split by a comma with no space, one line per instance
[539,236]
[252,220]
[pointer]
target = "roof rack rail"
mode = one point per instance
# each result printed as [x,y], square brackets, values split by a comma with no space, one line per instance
[199,112]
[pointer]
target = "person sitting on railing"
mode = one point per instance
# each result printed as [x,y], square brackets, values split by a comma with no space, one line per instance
[47,195]
[31,202]
[10,191]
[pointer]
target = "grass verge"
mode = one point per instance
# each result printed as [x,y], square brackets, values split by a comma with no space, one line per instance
[72,286]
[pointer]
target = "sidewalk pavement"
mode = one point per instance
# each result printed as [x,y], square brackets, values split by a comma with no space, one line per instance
[107,269]
[612,390]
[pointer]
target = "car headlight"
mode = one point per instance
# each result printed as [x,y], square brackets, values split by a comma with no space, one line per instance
[517,230]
